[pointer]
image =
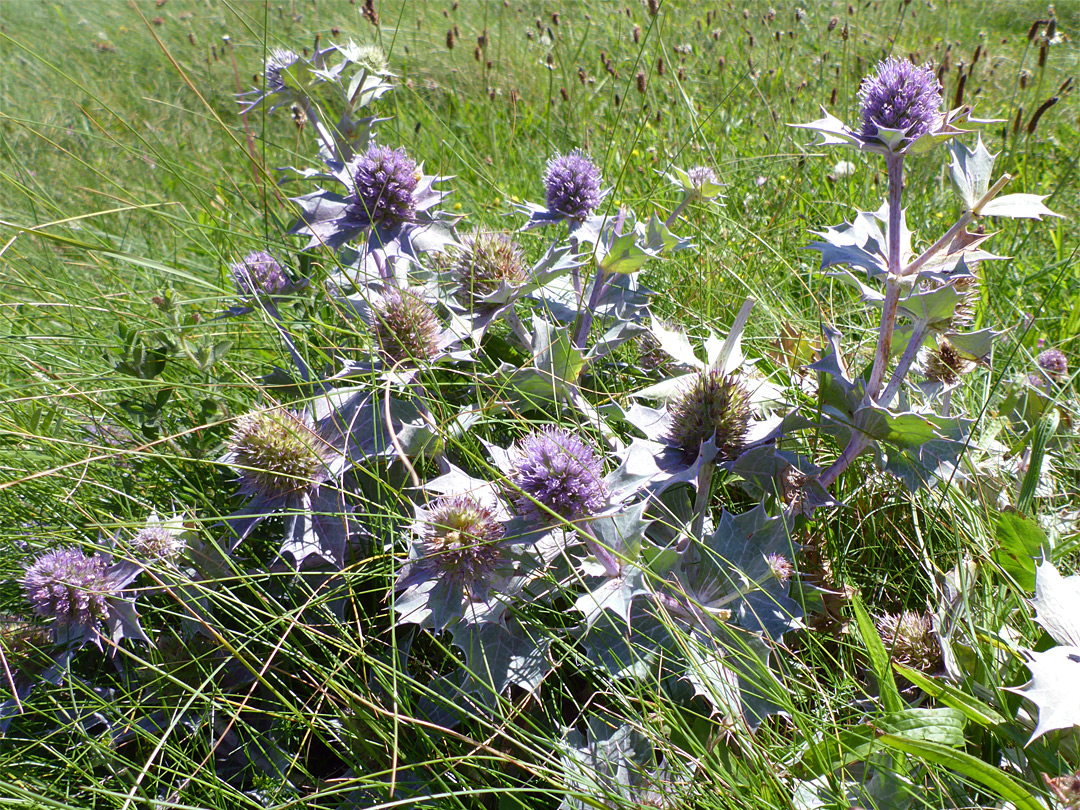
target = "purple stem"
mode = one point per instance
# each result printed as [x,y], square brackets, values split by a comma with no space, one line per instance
[598,287]
[895,166]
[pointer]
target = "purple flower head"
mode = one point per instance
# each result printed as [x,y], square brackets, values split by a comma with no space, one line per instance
[560,472]
[780,567]
[384,180]
[484,262]
[279,452]
[66,585]
[900,96]
[572,182]
[715,407]
[259,273]
[700,175]
[280,59]
[460,542]
[1053,362]
[405,327]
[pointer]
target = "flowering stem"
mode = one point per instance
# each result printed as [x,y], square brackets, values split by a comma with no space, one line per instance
[518,327]
[271,309]
[678,210]
[918,335]
[701,502]
[598,287]
[955,230]
[612,566]
[895,166]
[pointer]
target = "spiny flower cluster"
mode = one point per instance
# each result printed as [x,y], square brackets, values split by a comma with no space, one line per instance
[405,327]
[560,472]
[911,640]
[278,452]
[945,364]
[69,587]
[484,261]
[1053,362]
[259,273]
[280,59]
[157,541]
[715,407]
[572,183]
[900,96]
[384,180]
[461,540]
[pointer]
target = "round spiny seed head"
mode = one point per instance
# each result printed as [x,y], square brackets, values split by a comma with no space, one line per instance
[461,538]
[901,96]
[910,637]
[405,327]
[484,261]
[278,452]
[24,645]
[259,273]
[384,180]
[559,472]
[714,407]
[1053,362]
[370,57]
[66,585]
[157,541]
[945,364]
[572,183]
[280,59]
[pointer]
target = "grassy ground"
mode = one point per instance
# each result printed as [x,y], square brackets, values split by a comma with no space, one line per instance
[130,181]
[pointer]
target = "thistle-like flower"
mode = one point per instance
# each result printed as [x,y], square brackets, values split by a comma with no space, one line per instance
[945,364]
[404,327]
[67,586]
[279,452]
[24,644]
[558,472]
[780,567]
[902,97]
[484,262]
[1054,364]
[910,637]
[384,181]
[259,273]
[160,540]
[900,113]
[280,59]
[460,542]
[572,184]
[714,407]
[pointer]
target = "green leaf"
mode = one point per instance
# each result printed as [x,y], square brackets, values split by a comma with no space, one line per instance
[989,776]
[940,726]
[1019,540]
[879,656]
[625,255]
[973,709]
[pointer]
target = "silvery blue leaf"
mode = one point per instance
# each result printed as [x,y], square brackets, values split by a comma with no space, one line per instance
[1052,688]
[1018,206]
[971,170]
[1057,604]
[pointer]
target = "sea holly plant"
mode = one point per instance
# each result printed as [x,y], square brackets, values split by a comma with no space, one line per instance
[901,118]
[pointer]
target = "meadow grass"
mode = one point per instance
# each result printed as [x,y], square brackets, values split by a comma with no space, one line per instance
[130,182]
